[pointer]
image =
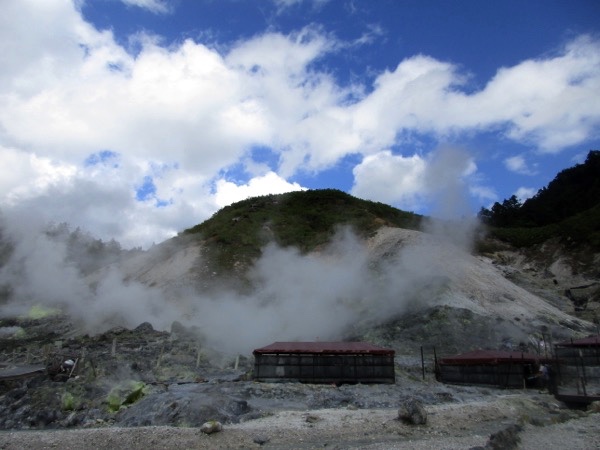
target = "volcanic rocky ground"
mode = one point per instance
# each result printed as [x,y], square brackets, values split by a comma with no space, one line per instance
[142,376]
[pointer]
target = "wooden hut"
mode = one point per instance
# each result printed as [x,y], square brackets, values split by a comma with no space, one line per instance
[489,367]
[576,370]
[324,362]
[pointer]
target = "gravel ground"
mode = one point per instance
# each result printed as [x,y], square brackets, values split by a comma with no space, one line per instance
[450,426]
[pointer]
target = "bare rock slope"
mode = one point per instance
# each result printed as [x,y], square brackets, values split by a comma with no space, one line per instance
[443,294]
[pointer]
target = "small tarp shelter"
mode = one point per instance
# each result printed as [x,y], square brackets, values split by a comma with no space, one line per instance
[577,370]
[324,362]
[489,367]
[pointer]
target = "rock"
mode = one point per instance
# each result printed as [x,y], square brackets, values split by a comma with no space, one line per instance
[507,439]
[125,394]
[145,327]
[212,426]
[312,418]
[72,420]
[412,412]
[261,440]
[178,328]
[44,417]
[594,407]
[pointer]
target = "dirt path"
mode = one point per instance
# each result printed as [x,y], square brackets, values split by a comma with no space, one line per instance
[450,426]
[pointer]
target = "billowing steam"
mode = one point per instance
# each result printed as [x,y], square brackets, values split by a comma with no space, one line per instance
[319,296]
[295,297]
[38,270]
[445,178]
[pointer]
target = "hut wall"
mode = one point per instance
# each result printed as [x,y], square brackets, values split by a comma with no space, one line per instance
[323,368]
[577,373]
[501,375]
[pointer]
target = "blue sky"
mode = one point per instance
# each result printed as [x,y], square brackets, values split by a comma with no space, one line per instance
[135,119]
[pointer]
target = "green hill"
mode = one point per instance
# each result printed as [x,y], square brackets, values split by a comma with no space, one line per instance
[568,208]
[303,219]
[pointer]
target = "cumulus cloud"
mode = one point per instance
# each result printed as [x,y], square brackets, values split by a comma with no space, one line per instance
[390,178]
[518,164]
[546,101]
[69,90]
[228,192]
[539,101]
[523,193]
[438,179]
[485,194]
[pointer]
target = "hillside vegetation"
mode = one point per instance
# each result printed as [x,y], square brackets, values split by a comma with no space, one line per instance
[305,220]
[568,208]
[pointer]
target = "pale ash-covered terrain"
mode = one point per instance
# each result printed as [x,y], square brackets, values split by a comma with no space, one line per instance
[183,357]
[501,299]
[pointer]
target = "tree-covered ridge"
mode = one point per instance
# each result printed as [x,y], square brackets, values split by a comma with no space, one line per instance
[569,207]
[303,219]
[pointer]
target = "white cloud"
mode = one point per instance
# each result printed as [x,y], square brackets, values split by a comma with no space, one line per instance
[390,179]
[519,165]
[284,5]
[440,179]
[406,99]
[27,175]
[548,102]
[281,4]
[484,194]
[523,193]
[302,106]
[68,90]
[155,6]
[228,192]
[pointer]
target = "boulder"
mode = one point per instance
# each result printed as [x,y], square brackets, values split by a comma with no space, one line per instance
[261,439]
[412,412]
[126,393]
[145,327]
[212,426]
[507,439]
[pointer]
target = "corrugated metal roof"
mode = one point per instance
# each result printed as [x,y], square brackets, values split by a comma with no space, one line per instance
[590,341]
[490,357]
[324,347]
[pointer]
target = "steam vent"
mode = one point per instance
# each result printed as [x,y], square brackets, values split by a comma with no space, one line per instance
[324,362]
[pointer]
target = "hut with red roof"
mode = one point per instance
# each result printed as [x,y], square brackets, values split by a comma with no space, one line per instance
[506,369]
[324,362]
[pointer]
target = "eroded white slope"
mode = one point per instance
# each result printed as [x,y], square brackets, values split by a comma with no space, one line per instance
[473,282]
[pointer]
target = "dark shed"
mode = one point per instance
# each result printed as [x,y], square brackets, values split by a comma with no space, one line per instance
[489,367]
[324,362]
[577,370]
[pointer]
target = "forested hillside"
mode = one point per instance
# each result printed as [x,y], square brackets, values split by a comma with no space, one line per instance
[568,208]
[304,219]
